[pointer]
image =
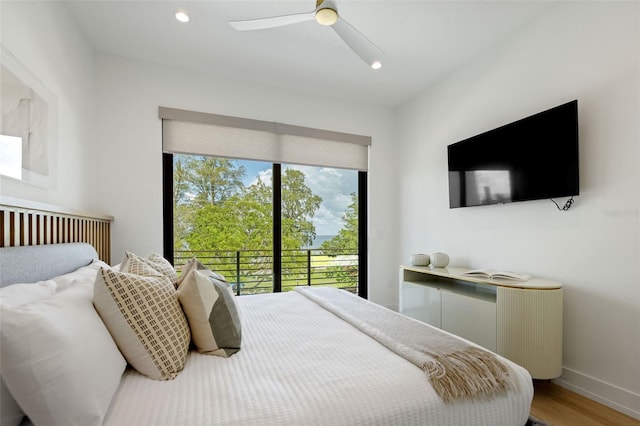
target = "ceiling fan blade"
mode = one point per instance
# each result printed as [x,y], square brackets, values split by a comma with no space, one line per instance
[275,21]
[357,42]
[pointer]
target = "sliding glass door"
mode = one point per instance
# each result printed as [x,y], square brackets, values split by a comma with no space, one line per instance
[266,226]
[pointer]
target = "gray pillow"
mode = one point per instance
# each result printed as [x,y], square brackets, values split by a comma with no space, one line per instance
[210,307]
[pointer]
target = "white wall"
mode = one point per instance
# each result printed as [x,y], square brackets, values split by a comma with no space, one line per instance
[43,38]
[127,151]
[109,141]
[585,51]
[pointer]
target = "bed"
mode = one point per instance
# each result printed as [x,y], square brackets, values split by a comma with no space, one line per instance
[305,358]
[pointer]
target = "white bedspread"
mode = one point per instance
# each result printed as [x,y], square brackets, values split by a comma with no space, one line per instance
[301,365]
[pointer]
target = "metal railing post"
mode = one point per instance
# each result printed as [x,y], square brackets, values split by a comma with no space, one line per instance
[238,273]
[309,267]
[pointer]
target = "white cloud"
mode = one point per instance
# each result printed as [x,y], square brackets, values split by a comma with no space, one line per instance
[335,187]
[266,177]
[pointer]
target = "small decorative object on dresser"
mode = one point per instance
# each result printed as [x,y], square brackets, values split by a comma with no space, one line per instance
[419,259]
[439,260]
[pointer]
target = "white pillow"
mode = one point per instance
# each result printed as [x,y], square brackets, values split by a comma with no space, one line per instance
[155,261]
[59,360]
[85,275]
[19,294]
[10,412]
[143,314]
[11,296]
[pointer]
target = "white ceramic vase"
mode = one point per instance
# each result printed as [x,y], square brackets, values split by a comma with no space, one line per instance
[439,260]
[419,259]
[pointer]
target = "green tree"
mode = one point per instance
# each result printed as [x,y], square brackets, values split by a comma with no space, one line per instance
[347,238]
[255,216]
[180,180]
[212,180]
[345,245]
[182,210]
[215,212]
[299,206]
[200,181]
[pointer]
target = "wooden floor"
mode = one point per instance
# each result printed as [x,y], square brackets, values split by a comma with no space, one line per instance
[561,407]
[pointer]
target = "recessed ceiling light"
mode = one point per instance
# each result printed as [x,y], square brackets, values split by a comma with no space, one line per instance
[181,16]
[376,65]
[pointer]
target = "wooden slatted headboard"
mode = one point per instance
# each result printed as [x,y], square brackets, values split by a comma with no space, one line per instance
[26,223]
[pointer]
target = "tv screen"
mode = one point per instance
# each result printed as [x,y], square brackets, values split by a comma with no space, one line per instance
[530,159]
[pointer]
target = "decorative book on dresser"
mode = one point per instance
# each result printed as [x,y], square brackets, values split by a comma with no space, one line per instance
[518,319]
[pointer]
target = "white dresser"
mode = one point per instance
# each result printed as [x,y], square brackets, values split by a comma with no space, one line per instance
[520,320]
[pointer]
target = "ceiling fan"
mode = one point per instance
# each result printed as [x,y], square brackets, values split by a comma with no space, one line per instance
[325,13]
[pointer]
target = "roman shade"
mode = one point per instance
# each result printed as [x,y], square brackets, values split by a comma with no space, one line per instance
[189,132]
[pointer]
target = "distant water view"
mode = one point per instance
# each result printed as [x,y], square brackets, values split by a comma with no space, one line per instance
[319,240]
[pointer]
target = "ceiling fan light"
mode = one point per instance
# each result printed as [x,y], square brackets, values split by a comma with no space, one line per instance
[181,16]
[326,16]
[376,65]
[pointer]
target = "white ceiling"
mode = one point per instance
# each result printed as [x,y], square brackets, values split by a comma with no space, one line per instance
[422,41]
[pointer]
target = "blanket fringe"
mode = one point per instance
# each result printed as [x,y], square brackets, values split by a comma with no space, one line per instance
[472,373]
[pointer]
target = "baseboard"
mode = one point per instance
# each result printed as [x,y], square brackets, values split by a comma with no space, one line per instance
[607,394]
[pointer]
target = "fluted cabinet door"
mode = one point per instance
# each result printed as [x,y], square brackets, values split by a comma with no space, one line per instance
[530,329]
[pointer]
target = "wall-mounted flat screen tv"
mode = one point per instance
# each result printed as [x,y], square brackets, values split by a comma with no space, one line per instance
[530,159]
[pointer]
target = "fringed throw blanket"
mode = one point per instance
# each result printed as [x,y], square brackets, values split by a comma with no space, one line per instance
[456,370]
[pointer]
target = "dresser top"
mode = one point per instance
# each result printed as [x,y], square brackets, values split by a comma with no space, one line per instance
[458,273]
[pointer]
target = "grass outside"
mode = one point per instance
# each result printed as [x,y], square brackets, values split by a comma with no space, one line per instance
[322,267]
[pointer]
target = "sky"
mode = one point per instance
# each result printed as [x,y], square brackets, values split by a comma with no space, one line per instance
[333,185]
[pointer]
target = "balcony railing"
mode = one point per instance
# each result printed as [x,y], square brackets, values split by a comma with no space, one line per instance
[251,271]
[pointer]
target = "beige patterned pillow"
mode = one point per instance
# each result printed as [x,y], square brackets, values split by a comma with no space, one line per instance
[139,266]
[211,309]
[155,261]
[144,316]
[161,264]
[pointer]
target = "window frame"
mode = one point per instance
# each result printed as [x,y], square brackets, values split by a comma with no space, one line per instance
[168,220]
